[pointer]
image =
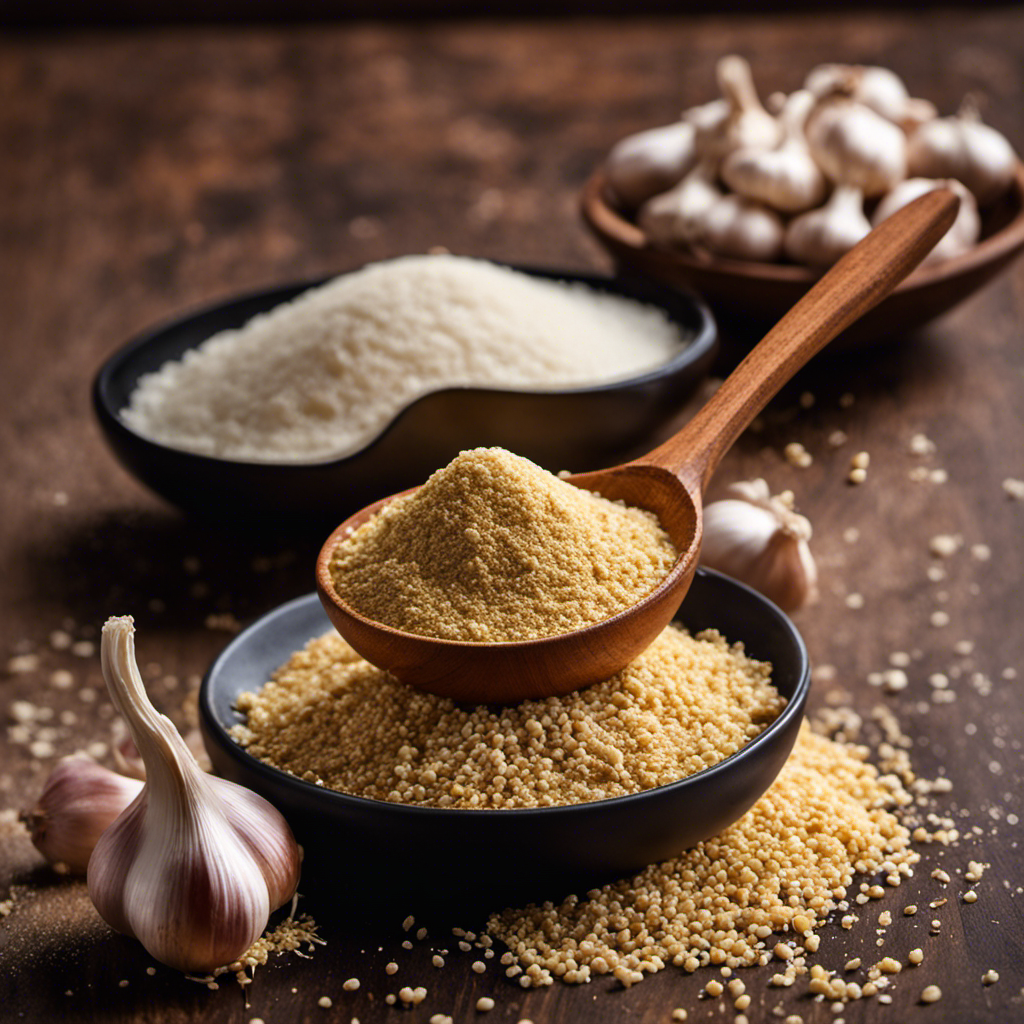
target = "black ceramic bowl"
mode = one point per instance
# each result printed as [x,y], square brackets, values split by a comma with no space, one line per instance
[578,429]
[419,856]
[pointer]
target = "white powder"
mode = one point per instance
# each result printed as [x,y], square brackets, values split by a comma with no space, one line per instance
[321,376]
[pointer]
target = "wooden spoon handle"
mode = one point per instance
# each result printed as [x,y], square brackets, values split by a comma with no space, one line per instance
[859,281]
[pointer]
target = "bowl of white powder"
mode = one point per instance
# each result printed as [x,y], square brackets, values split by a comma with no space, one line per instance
[314,398]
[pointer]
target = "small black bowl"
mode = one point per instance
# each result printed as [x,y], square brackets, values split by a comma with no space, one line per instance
[578,429]
[464,859]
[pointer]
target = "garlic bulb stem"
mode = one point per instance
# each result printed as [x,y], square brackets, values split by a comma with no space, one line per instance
[196,864]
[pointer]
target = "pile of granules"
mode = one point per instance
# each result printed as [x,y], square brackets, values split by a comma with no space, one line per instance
[784,866]
[321,376]
[686,703]
[494,548]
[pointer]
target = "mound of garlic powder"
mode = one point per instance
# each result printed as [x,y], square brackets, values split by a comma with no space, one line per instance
[493,548]
[321,376]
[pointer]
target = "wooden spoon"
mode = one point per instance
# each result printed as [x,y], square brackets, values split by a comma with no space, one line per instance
[669,481]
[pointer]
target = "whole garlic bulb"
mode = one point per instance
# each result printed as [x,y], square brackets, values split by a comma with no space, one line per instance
[79,801]
[737,228]
[878,88]
[759,540]
[741,121]
[964,148]
[649,162]
[855,146]
[959,238]
[668,219]
[194,867]
[820,237]
[787,178]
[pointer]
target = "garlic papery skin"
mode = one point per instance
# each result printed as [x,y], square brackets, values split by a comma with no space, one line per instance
[820,237]
[668,219]
[962,147]
[853,145]
[650,162]
[759,540]
[959,238]
[740,122]
[878,88]
[195,865]
[738,229]
[787,178]
[79,801]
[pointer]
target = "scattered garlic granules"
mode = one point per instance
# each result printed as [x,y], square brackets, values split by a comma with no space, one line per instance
[494,548]
[331,718]
[826,819]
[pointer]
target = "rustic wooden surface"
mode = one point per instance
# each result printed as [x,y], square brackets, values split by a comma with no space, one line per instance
[147,172]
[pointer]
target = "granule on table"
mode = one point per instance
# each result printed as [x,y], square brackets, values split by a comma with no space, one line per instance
[493,548]
[827,818]
[685,704]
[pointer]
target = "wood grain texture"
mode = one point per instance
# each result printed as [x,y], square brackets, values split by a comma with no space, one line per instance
[148,172]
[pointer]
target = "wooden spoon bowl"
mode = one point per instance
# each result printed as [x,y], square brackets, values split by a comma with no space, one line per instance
[668,481]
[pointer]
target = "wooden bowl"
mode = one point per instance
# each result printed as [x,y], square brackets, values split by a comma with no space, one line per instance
[748,297]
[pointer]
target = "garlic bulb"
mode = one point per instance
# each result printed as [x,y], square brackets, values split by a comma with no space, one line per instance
[737,228]
[820,237]
[878,88]
[79,801]
[762,542]
[643,165]
[959,238]
[668,219]
[194,867]
[855,146]
[740,121]
[787,178]
[962,147]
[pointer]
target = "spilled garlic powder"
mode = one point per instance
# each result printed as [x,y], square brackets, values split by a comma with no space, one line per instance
[331,718]
[785,865]
[494,548]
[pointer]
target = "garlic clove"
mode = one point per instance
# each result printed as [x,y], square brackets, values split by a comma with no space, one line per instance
[965,231]
[854,145]
[964,148]
[737,228]
[787,178]
[740,121]
[668,219]
[762,542]
[650,162]
[79,801]
[820,237]
[194,867]
[878,88]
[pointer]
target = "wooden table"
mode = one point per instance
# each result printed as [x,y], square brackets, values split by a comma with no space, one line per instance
[144,172]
